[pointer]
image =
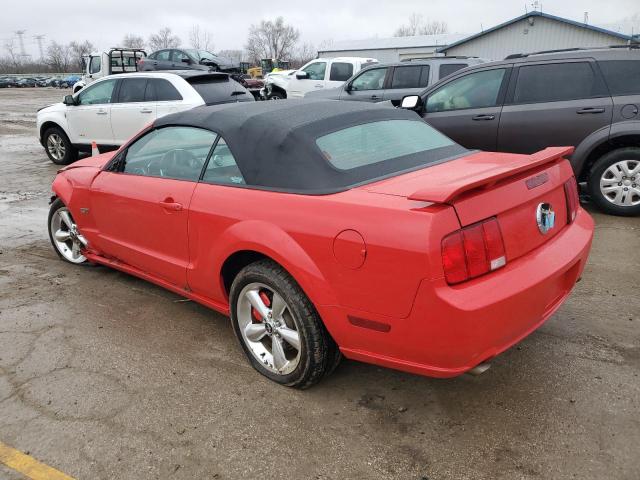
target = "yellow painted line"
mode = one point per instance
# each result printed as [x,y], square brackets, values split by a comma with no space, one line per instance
[29,466]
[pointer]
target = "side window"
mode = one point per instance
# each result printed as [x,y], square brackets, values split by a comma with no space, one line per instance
[222,167]
[132,90]
[179,56]
[152,56]
[406,77]
[447,69]
[475,90]
[97,93]
[170,152]
[316,70]
[340,71]
[163,55]
[161,90]
[94,66]
[424,77]
[622,76]
[554,82]
[370,80]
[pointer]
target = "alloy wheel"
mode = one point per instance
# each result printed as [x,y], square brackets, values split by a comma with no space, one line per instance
[66,238]
[269,328]
[55,146]
[620,183]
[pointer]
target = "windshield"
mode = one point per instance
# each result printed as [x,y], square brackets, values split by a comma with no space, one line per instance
[202,54]
[377,142]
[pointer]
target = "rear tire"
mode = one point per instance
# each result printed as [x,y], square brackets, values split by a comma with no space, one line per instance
[58,147]
[614,182]
[316,355]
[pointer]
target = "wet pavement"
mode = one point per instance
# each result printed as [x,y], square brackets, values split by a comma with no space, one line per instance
[106,376]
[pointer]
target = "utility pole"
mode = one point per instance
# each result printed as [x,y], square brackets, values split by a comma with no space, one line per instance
[20,34]
[39,39]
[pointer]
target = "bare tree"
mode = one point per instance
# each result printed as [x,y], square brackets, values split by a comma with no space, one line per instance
[418,26]
[236,55]
[13,57]
[58,57]
[271,39]
[77,50]
[200,39]
[164,39]
[131,40]
[302,54]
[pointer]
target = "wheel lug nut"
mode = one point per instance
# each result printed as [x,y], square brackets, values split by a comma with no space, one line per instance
[626,188]
[619,184]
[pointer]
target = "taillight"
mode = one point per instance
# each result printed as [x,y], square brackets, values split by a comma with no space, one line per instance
[573,201]
[473,251]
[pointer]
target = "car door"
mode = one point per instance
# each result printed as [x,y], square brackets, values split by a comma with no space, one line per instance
[166,97]
[180,60]
[467,108]
[131,111]
[368,86]
[162,60]
[90,119]
[140,204]
[314,79]
[406,80]
[553,103]
[339,72]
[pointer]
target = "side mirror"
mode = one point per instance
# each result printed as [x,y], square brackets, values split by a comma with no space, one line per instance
[348,87]
[186,60]
[302,75]
[411,102]
[69,100]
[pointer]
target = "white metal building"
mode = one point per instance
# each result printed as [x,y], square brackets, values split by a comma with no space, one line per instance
[533,32]
[392,49]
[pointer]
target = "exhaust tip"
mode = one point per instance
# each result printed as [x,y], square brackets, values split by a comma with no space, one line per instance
[479,369]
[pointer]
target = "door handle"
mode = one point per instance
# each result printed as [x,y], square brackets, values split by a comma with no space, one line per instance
[169,204]
[146,110]
[483,117]
[590,110]
[318,85]
[101,112]
[375,97]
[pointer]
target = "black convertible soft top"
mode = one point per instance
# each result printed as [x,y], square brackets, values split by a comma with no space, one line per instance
[274,143]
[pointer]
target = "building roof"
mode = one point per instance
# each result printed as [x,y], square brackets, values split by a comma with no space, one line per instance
[536,14]
[395,42]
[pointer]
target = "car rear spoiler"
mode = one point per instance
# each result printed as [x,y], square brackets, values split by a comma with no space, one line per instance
[441,187]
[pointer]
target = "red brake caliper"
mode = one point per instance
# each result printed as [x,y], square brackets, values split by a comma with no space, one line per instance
[266,301]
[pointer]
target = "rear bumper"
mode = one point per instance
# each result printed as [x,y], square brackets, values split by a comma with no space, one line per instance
[452,329]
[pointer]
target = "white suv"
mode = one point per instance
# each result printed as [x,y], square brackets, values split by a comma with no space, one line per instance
[325,73]
[114,108]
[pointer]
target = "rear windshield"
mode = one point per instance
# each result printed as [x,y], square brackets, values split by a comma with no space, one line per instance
[220,89]
[383,141]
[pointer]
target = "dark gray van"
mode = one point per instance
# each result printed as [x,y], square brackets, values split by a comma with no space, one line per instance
[586,98]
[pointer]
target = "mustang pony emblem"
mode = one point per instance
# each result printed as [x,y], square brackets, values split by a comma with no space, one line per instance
[546,217]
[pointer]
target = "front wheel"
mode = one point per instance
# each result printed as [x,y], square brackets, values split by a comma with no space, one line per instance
[278,327]
[276,96]
[64,235]
[614,182]
[58,147]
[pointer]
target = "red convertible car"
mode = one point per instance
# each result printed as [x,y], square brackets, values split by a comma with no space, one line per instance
[333,228]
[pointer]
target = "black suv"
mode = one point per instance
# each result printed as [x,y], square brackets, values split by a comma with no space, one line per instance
[589,99]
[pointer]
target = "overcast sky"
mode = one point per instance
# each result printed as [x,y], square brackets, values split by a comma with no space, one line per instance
[105,22]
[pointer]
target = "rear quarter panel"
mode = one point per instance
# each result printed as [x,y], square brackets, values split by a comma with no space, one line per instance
[402,240]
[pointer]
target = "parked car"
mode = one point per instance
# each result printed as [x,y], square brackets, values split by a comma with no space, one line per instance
[100,64]
[187,59]
[275,85]
[113,108]
[7,82]
[26,82]
[589,99]
[254,85]
[72,81]
[475,250]
[325,73]
[393,81]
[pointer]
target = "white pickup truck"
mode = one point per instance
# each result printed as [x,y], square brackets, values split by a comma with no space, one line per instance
[100,64]
[325,73]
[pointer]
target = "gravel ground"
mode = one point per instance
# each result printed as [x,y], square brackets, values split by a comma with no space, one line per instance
[105,376]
